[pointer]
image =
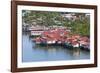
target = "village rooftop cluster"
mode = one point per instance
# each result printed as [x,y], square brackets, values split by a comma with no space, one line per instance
[60,36]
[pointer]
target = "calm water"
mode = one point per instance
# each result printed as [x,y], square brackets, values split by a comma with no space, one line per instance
[32,52]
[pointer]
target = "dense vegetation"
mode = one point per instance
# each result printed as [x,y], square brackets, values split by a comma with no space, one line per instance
[80,25]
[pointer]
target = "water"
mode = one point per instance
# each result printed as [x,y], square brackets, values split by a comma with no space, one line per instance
[34,53]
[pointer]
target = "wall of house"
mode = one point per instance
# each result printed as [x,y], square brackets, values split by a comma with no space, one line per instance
[5,36]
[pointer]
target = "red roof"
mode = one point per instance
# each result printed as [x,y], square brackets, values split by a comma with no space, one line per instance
[74,43]
[55,34]
[86,39]
[61,35]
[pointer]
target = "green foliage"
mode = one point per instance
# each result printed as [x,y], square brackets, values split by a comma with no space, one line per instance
[81,25]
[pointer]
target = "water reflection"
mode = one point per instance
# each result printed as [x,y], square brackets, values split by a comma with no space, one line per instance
[32,52]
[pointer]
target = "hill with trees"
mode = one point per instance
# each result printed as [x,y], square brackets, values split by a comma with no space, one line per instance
[78,23]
